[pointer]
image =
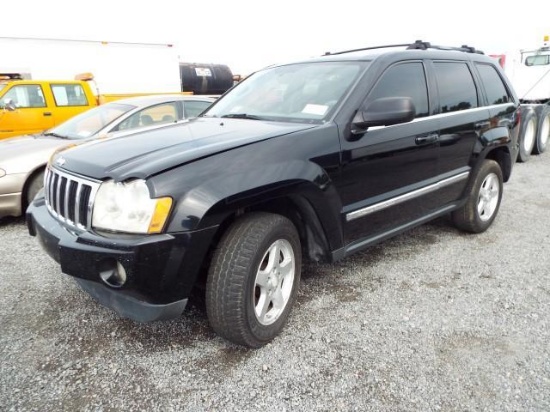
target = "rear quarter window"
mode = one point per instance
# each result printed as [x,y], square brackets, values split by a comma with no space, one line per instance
[493,84]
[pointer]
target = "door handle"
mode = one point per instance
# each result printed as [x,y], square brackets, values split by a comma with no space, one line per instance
[422,140]
[482,125]
[47,113]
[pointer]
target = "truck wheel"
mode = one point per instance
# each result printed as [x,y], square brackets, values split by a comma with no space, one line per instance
[543,129]
[253,279]
[527,134]
[484,195]
[34,184]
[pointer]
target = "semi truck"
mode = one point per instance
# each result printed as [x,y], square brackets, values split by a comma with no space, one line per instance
[529,72]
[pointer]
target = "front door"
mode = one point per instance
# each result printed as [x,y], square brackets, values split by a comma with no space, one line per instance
[31,114]
[384,172]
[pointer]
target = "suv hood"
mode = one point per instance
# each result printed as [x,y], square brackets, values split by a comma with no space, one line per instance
[144,154]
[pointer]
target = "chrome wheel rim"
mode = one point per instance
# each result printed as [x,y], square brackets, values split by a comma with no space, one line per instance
[488,197]
[529,137]
[274,282]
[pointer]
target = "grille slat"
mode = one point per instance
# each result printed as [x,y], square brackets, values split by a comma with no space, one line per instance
[70,198]
[55,196]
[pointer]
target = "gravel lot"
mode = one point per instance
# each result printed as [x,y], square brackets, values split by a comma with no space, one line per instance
[431,320]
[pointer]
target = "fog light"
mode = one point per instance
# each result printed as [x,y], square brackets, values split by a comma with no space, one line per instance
[112,272]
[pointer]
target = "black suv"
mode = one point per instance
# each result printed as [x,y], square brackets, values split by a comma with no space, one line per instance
[315,159]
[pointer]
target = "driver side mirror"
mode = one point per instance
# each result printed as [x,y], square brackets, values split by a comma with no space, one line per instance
[384,112]
[9,105]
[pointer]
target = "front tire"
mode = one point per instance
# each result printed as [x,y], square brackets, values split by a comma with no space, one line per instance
[253,279]
[484,196]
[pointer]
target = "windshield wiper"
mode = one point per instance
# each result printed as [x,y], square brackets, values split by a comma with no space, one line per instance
[56,135]
[243,116]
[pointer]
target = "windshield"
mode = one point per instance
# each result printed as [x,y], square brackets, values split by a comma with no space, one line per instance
[305,92]
[90,122]
[538,60]
[2,86]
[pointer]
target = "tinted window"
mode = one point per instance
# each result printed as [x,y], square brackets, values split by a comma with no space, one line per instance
[25,96]
[457,90]
[496,91]
[407,80]
[69,95]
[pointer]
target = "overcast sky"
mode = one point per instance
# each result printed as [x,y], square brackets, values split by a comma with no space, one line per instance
[249,35]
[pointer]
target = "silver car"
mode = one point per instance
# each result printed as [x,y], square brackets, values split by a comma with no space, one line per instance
[22,159]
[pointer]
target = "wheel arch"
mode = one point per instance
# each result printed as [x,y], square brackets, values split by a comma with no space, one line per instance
[503,157]
[35,172]
[496,144]
[318,224]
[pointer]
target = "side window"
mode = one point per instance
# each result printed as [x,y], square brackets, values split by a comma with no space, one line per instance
[25,96]
[538,60]
[457,90]
[407,80]
[69,95]
[159,114]
[495,88]
[192,108]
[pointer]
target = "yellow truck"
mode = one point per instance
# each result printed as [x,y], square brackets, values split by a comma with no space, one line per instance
[31,106]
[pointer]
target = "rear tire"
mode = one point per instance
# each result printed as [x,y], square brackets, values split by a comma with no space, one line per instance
[543,131]
[484,196]
[253,279]
[527,134]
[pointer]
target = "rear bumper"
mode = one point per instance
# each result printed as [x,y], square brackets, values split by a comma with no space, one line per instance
[161,269]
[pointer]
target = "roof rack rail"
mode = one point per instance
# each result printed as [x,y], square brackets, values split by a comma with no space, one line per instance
[424,45]
[417,45]
[366,48]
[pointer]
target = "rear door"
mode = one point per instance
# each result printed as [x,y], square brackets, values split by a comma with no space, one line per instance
[463,118]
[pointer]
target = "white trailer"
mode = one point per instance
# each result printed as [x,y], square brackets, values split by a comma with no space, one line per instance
[529,72]
[117,67]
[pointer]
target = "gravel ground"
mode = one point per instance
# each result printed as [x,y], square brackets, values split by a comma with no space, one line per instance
[431,320]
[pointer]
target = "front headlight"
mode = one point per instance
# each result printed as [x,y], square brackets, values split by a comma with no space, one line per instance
[127,207]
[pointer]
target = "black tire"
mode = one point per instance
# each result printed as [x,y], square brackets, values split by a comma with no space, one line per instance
[240,261]
[527,134]
[484,196]
[543,130]
[34,184]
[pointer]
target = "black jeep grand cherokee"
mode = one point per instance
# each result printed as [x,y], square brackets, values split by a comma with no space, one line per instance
[319,158]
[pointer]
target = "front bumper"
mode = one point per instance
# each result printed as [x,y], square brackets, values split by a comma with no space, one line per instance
[10,204]
[161,269]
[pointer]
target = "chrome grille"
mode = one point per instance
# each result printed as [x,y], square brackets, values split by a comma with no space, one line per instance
[70,198]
